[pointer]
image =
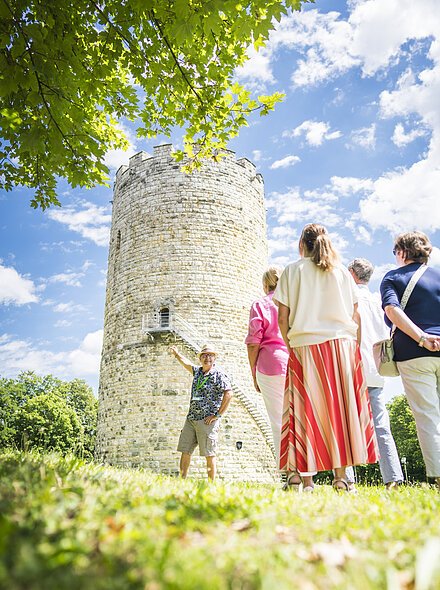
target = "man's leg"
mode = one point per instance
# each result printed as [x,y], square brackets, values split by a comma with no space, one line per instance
[389,462]
[185,460]
[187,444]
[211,466]
[207,437]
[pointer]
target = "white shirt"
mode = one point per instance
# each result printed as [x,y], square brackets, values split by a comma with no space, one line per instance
[321,303]
[373,330]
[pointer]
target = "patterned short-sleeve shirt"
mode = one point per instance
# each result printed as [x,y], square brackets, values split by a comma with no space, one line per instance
[207,392]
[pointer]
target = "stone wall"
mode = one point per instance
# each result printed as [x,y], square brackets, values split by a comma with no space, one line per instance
[194,244]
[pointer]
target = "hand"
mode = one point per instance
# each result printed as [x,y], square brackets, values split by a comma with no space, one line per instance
[210,419]
[256,384]
[173,350]
[432,343]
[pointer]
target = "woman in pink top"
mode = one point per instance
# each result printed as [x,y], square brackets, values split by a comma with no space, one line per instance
[268,354]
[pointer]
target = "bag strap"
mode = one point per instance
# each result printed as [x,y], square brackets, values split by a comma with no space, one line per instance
[409,289]
[410,286]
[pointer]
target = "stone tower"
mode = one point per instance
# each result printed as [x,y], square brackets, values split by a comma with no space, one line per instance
[187,252]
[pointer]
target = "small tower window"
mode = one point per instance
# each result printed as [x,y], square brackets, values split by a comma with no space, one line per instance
[118,241]
[164,317]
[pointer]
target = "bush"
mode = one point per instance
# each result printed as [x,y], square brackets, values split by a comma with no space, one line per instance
[404,430]
[47,422]
[47,413]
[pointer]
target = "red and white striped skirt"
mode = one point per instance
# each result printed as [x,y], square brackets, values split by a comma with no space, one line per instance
[327,420]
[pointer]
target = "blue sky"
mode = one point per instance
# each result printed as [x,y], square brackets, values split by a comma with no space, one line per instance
[355,145]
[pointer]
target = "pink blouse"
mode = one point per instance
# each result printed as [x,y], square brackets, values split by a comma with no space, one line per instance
[263,330]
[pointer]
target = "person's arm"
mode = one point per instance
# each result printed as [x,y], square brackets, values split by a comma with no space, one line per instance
[253,350]
[226,400]
[182,359]
[357,319]
[283,322]
[398,317]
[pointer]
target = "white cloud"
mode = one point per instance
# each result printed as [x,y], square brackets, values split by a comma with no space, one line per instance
[68,247]
[62,324]
[348,185]
[285,162]
[68,278]
[256,72]
[292,207]
[69,307]
[401,138]
[406,199]
[434,259]
[257,155]
[15,289]
[23,355]
[381,270]
[323,39]
[86,358]
[116,158]
[87,219]
[86,265]
[371,38]
[315,132]
[365,137]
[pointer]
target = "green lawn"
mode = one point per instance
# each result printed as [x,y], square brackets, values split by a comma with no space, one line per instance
[68,524]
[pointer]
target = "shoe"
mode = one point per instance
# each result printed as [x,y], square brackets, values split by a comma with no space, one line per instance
[392,486]
[294,486]
[342,485]
[308,489]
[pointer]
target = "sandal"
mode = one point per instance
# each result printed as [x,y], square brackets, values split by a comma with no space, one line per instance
[392,486]
[294,486]
[350,488]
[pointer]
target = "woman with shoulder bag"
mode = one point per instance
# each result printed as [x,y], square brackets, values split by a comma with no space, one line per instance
[417,339]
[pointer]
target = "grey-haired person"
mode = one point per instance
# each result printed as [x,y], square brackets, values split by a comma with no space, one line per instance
[211,394]
[373,330]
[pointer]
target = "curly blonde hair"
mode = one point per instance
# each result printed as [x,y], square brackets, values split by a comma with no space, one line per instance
[414,245]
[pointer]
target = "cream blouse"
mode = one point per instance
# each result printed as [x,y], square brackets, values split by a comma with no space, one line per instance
[321,303]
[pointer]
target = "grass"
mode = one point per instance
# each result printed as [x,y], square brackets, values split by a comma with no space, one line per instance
[66,524]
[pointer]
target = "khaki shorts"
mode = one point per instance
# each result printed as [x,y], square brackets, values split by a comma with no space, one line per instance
[196,432]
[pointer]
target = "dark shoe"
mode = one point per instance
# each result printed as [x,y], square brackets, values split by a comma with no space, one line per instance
[294,483]
[342,485]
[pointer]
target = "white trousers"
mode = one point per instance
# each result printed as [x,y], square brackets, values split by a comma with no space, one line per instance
[272,390]
[421,381]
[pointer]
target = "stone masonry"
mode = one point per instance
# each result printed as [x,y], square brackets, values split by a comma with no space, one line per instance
[187,252]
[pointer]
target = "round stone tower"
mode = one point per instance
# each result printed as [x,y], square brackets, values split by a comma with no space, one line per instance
[187,252]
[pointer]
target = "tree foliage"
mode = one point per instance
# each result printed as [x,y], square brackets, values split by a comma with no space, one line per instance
[71,69]
[404,431]
[46,422]
[48,414]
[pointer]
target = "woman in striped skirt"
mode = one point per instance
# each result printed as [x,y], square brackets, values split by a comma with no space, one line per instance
[327,421]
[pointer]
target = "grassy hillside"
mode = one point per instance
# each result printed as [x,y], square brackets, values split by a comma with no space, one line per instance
[67,524]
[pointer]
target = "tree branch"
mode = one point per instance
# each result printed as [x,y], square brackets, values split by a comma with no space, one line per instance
[170,49]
